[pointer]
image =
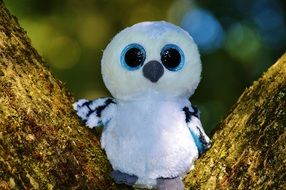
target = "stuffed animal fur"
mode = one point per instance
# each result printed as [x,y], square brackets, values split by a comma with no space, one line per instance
[152,133]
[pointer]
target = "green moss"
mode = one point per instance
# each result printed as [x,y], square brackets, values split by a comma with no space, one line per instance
[249,148]
[42,143]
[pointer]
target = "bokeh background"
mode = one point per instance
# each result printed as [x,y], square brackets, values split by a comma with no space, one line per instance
[238,41]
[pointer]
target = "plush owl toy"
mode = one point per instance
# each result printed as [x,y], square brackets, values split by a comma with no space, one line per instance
[152,134]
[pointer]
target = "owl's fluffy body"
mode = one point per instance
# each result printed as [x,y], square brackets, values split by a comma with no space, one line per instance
[151,130]
[138,143]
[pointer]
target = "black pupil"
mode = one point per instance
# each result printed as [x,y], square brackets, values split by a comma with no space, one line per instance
[171,58]
[134,57]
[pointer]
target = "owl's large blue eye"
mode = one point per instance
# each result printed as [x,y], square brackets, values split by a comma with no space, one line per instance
[172,57]
[133,57]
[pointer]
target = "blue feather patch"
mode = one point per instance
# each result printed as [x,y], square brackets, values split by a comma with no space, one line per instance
[198,142]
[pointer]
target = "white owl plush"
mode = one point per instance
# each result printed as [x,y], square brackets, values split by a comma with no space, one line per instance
[152,134]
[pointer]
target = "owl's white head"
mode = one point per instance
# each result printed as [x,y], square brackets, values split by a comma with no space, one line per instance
[156,57]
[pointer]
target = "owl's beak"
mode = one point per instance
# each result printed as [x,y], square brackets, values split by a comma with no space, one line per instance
[153,70]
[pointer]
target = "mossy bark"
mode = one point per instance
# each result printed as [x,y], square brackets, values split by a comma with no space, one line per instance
[249,148]
[42,143]
[44,146]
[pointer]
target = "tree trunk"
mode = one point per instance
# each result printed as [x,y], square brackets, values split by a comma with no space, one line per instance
[42,143]
[44,146]
[249,148]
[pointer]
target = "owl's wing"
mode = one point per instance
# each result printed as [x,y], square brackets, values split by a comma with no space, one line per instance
[202,141]
[95,112]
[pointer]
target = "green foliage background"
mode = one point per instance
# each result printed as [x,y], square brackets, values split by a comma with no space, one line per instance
[72,34]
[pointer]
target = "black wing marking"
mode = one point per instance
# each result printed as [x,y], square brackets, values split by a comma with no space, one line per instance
[99,109]
[199,137]
[86,109]
[189,113]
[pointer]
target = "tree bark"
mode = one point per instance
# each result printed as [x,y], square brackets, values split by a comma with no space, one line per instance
[249,148]
[43,145]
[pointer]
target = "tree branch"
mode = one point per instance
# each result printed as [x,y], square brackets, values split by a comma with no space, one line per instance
[42,143]
[249,147]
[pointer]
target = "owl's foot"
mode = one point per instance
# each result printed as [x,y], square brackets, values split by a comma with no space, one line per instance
[123,178]
[170,184]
